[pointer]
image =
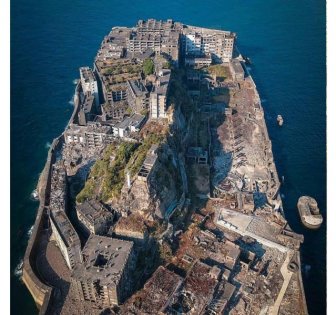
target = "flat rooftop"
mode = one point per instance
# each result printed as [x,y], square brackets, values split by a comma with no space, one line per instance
[104,260]
[86,74]
[65,228]
[93,210]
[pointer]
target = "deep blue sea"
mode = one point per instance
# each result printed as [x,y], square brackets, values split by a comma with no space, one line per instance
[51,39]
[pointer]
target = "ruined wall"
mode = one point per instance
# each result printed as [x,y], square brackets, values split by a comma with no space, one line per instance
[40,291]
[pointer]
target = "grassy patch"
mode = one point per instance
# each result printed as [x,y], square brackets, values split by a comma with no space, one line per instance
[109,176]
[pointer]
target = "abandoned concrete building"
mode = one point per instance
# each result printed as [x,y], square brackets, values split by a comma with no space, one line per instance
[197,61]
[87,110]
[196,292]
[59,186]
[94,216]
[158,96]
[129,125]
[199,42]
[156,294]
[197,155]
[62,230]
[94,134]
[66,238]
[137,95]
[89,83]
[104,276]
[149,163]
[160,36]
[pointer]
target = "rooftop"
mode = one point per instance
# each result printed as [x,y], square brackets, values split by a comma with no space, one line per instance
[86,74]
[104,259]
[64,226]
[155,294]
[93,210]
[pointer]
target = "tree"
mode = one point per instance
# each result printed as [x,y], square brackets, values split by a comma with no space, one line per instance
[148,66]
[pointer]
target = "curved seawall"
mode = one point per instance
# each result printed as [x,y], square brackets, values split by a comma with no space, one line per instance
[39,290]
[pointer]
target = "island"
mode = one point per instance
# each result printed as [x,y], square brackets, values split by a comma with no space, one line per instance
[161,196]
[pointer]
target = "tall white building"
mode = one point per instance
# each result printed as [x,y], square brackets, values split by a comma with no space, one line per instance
[89,83]
[201,41]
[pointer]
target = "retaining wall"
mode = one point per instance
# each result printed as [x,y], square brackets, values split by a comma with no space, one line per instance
[39,290]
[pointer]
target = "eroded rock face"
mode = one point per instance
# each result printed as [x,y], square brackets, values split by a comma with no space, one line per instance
[158,191]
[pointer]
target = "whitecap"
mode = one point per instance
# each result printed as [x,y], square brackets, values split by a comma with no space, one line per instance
[18,269]
[47,145]
[75,81]
[30,231]
[34,195]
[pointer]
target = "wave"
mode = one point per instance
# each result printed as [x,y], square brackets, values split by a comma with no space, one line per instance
[30,231]
[34,195]
[18,269]
[47,145]
[72,101]
[75,81]
[263,100]
[248,68]
[282,196]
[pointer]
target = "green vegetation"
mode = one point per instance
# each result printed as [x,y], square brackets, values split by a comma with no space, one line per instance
[120,69]
[107,177]
[139,155]
[148,66]
[129,111]
[167,65]
[144,111]
[219,71]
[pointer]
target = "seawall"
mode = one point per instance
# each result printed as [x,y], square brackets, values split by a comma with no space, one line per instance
[39,290]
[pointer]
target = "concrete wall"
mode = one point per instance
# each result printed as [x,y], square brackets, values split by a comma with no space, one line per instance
[39,290]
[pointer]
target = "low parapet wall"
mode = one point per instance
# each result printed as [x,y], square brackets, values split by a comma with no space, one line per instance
[304,302]
[39,290]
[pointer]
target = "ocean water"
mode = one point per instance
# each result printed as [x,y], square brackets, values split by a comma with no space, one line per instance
[285,40]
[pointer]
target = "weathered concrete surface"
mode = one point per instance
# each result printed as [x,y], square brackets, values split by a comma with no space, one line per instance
[287,275]
[39,290]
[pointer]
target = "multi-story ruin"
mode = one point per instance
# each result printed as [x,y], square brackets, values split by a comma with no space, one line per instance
[94,216]
[158,97]
[160,36]
[63,232]
[89,83]
[66,238]
[104,276]
[198,42]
